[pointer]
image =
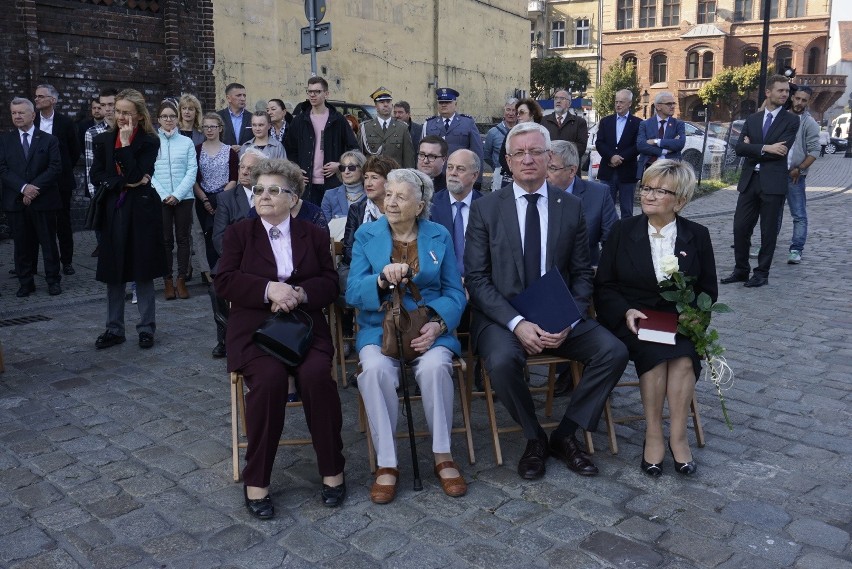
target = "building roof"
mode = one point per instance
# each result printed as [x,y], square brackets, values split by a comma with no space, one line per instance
[703,31]
[845,35]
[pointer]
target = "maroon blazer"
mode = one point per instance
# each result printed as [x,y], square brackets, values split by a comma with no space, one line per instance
[246,266]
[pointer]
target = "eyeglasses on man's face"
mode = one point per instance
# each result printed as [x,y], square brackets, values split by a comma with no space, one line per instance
[314,92]
[258,190]
[656,192]
[534,153]
[428,157]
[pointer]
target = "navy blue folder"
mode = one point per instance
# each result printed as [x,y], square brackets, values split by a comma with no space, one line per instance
[548,303]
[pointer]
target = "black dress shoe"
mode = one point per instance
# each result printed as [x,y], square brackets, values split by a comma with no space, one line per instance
[735,277]
[568,450]
[756,281]
[532,464]
[564,384]
[146,340]
[108,339]
[684,468]
[54,289]
[262,509]
[219,350]
[13,273]
[25,291]
[333,496]
[654,470]
[68,269]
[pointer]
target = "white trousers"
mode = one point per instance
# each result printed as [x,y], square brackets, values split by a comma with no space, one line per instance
[378,383]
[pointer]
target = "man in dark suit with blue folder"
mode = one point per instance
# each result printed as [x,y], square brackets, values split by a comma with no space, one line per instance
[514,236]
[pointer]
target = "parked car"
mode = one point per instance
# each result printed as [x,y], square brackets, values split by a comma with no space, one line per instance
[357,110]
[836,145]
[714,152]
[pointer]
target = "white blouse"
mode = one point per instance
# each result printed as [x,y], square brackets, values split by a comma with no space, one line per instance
[662,244]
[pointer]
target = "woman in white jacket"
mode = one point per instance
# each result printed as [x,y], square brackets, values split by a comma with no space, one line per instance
[174,176]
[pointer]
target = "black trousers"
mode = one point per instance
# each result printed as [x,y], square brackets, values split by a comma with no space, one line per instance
[29,230]
[754,204]
[603,355]
[205,220]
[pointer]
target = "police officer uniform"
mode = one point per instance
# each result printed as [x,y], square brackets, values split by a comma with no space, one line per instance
[389,138]
[459,130]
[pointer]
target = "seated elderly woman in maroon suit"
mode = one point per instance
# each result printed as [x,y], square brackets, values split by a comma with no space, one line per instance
[269,263]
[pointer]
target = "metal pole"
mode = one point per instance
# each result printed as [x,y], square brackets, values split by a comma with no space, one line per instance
[312,23]
[764,53]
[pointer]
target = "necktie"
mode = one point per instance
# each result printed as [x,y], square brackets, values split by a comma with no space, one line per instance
[532,241]
[384,126]
[458,236]
[274,233]
[26,145]
[662,132]
[559,120]
[766,125]
[447,124]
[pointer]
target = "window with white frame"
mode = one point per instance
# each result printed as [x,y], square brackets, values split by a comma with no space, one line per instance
[647,13]
[581,31]
[557,33]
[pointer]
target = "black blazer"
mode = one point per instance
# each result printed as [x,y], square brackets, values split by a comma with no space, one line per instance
[608,146]
[65,132]
[625,278]
[354,219]
[773,168]
[41,168]
[231,138]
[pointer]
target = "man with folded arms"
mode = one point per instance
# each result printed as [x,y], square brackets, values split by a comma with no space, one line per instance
[514,236]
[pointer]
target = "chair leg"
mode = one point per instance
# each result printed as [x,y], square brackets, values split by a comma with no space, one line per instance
[696,421]
[332,324]
[610,428]
[551,388]
[236,384]
[465,408]
[371,450]
[341,356]
[576,375]
[492,418]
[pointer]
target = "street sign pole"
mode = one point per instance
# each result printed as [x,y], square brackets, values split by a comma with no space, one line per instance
[312,23]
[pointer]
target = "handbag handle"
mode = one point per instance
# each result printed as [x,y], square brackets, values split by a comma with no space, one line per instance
[299,314]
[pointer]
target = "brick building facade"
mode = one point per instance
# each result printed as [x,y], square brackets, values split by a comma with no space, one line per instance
[678,45]
[160,47]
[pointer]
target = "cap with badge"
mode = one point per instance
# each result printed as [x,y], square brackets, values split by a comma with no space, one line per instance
[446,94]
[382,94]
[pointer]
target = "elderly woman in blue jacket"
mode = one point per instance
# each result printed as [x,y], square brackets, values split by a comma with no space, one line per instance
[174,176]
[384,253]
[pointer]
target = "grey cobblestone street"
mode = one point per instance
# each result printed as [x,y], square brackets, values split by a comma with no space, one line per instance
[121,458]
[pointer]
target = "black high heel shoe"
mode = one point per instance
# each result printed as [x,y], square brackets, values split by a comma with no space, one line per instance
[684,468]
[649,468]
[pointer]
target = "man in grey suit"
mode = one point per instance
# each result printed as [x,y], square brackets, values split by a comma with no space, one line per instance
[402,112]
[237,120]
[513,237]
[233,205]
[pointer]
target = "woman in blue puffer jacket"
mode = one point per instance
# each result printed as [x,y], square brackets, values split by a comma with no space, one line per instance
[174,176]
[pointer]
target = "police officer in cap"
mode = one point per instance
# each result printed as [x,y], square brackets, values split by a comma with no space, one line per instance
[457,129]
[386,135]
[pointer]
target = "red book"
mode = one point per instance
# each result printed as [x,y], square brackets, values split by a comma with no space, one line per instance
[659,327]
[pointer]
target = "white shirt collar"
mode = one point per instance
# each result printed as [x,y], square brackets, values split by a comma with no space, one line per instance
[666,230]
[468,199]
[30,132]
[50,118]
[519,191]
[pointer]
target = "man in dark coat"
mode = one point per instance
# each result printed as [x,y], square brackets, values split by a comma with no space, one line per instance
[616,142]
[30,165]
[317,158]
[63,128]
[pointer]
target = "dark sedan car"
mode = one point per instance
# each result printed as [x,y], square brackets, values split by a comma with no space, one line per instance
[836,145]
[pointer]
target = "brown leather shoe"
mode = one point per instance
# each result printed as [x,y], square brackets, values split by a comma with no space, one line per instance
[169,291]
[181,288]
[453,487]
[568,450]
[384,493]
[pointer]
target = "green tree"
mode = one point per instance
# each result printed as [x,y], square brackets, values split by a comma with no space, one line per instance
[549,74]
[730,87]
[619,76]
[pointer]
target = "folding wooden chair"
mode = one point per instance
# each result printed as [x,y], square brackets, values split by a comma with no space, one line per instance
[460,369]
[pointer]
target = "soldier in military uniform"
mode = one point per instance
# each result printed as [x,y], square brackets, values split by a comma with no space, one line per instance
[457,129]
[385,135]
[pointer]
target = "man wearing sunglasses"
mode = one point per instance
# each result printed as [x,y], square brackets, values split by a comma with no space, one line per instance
[661,136]
[386,135]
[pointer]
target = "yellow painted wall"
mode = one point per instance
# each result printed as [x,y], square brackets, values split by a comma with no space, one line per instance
[482,51]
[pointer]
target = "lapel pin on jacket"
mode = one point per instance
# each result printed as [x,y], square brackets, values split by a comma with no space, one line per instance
[434,257]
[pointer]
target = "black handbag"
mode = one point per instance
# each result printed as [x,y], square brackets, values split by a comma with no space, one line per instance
[286,336]
[96,212]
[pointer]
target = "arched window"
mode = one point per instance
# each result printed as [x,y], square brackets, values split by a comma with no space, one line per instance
[751,55]
[659,68]
[783,59]
[631,60]
[813,60]
[707,65]
[692,65]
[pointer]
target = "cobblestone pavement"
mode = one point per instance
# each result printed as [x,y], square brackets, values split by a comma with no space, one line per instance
[121,458]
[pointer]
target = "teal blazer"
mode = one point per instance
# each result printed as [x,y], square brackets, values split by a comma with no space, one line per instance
[439,280]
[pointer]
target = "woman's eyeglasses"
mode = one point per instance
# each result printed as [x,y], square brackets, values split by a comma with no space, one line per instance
[211,127]
[168,117]
[272,190]
[656,192]
[348,167]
